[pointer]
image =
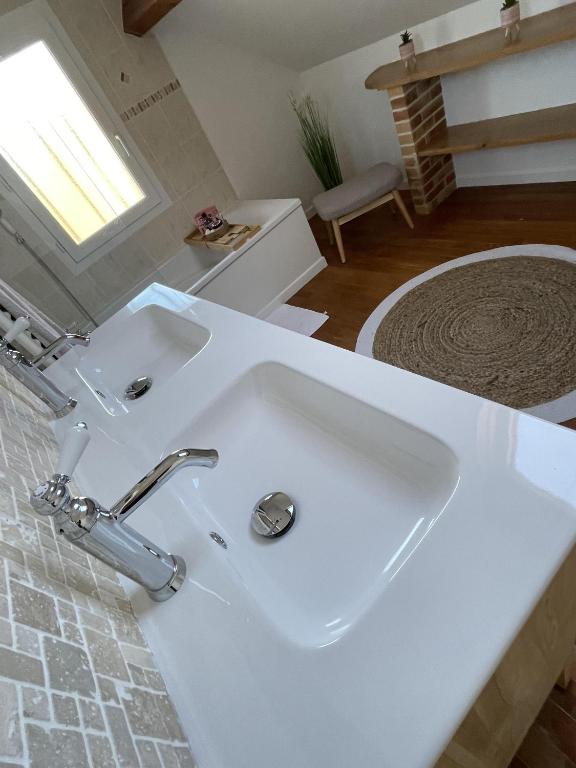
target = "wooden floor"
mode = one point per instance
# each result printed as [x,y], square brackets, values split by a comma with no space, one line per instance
[383,254]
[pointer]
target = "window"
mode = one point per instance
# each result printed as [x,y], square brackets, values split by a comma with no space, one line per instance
[63,158]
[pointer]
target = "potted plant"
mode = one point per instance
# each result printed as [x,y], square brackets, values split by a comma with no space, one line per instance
[317,141]
[407,50]
[510,17]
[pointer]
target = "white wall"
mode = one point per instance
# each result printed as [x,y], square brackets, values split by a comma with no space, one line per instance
[242,103]
[363,121]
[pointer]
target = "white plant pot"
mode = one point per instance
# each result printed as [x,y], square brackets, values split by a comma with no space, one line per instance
[510,20]
[408,53]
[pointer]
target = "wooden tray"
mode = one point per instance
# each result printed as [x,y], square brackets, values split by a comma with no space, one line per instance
[236,236]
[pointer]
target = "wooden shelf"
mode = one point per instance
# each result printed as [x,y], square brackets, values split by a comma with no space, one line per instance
[548,28]
[554,124]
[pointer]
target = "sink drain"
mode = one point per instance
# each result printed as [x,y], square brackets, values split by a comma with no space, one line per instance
[273,515]
[138,388]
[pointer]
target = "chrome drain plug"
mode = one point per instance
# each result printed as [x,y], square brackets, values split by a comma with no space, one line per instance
[138,388]
[273,515]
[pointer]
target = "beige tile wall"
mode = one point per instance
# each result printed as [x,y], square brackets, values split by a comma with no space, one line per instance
[168,133]
[78,686]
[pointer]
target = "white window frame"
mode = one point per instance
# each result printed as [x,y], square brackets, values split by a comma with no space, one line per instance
[19,29]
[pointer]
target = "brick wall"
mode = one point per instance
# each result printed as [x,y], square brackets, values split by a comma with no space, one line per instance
[78,686]
[418,110]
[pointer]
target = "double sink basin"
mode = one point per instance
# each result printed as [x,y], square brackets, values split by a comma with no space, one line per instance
[310,649]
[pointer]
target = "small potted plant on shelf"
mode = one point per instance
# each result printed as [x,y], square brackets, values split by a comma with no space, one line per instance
[407,50]
[510,18]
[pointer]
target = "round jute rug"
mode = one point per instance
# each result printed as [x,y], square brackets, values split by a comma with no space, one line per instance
[501,328]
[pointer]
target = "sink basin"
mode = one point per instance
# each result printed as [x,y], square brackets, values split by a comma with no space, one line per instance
[279,430]
[426,518]
[154,342]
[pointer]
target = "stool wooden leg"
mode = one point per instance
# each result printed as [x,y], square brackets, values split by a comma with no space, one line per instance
[403,209]
[330,232]
[338,238]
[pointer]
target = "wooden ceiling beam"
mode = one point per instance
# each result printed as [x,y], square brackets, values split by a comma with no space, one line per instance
[141,15]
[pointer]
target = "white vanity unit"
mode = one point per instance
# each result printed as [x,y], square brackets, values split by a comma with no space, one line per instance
[265,272]
[429,522]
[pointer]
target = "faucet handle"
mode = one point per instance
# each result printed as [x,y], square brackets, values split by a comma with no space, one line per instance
[19,325]
[74,446]
[52,498]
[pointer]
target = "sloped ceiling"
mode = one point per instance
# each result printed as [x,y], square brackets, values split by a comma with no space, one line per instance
[302,33]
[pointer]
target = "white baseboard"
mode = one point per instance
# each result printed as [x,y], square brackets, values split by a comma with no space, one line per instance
[294,287]
[310,211]
[500,179]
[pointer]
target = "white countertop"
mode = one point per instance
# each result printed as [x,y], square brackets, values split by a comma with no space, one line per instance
[393,689]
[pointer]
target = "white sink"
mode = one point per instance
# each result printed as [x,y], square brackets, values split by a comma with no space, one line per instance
[154,342]
[367,489]
[429,522]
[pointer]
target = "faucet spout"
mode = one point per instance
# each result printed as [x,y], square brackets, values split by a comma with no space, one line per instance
[155,479]
[73,339]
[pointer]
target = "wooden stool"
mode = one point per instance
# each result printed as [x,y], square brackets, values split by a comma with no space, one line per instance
[359,195]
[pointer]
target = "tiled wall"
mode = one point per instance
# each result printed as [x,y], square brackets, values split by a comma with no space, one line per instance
[78,686]
[143,89]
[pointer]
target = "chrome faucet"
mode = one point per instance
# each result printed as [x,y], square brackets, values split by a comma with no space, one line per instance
[28,373]
[103,533]
[73,339]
